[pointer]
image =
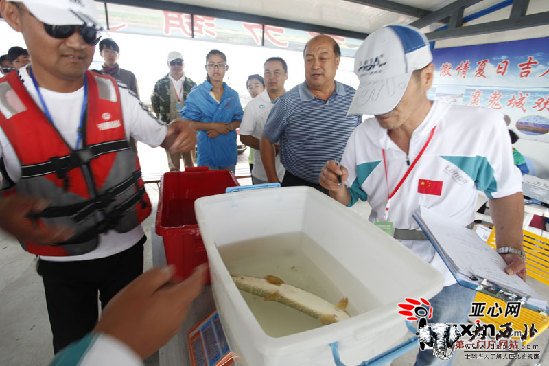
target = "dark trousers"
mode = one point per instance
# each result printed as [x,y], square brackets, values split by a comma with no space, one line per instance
[291,180]
[72,290]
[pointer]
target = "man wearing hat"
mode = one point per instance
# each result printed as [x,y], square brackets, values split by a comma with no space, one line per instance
[168,99]
[109,51]
[419,153]
[70,185]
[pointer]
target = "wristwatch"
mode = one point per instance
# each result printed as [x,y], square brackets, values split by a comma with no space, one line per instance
[511,250]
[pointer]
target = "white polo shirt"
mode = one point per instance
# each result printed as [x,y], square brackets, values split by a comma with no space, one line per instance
[470,150]
[253,123]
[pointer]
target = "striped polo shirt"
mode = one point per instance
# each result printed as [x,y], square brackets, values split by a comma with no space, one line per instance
[311,131]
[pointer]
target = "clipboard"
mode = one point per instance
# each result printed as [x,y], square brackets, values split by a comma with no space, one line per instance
[473,263]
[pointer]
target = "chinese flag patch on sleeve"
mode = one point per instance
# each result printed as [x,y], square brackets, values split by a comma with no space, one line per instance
[426,186]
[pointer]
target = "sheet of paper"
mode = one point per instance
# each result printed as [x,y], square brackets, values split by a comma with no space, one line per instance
[471,255]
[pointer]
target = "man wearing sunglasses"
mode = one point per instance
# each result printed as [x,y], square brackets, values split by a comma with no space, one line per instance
[168,98]
[70,186]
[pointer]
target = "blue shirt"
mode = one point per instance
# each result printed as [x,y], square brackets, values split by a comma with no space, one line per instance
[311,131]
[200,106]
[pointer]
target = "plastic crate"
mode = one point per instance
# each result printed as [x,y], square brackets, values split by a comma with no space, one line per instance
[175,217]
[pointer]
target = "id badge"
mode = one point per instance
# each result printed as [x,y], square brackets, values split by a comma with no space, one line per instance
[386,226]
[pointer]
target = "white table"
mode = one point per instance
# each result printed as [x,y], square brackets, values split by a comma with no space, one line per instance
[175,352]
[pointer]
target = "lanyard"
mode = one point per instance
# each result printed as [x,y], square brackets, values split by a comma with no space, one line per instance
[47,111]
[177,95]
[390,195]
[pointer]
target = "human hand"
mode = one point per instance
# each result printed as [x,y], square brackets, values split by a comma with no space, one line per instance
[223,128]
[213,133]
[148,312]
[515,265]
[332,175]
[15,212]
[181,137]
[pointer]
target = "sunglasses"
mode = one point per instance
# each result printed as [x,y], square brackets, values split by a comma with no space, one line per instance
[176,63]
[89,34]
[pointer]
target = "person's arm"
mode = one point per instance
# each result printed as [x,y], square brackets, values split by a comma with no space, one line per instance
[501,181]
[15,212]
[268,154]
[507,215]
[219,127]
[139,320]
[155,101]
[180,137]
[274,129]
[97,349]
[248,127]
[133,85]
[250,141]
[234,125]
[333,177]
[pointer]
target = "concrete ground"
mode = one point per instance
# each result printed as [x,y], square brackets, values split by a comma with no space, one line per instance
[25,337]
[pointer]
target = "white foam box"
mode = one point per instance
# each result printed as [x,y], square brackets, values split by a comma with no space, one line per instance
[378,274]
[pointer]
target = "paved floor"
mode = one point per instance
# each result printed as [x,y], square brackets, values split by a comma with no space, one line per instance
[25,338]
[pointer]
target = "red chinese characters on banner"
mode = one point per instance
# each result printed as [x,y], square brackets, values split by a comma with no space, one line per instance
[546,72]
[481,65]
[463,68]
[445,69]
[475,98]
[203,26]
[526,67]
[518,101]
[271,34]
[541,104]
[502,67]
[494,100]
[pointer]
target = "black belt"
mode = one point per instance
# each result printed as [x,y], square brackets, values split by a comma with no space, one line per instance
[408,234]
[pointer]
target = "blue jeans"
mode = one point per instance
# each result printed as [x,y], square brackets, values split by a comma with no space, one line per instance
[451,305]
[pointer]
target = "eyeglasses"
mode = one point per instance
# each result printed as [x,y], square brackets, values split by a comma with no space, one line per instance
[88,33]
[176,63]
[216,66]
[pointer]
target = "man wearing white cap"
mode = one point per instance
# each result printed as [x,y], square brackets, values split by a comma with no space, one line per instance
[168,98]
[417,152]
[71,188]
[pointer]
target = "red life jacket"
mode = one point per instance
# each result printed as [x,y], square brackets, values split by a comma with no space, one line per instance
[92,190]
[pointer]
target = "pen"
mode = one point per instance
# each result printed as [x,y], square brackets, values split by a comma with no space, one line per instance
[339,176]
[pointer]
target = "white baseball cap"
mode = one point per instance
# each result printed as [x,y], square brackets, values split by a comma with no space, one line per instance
[174,55]
[384,64]
[63,12]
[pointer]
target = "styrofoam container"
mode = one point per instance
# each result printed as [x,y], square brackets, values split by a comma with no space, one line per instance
[379,273]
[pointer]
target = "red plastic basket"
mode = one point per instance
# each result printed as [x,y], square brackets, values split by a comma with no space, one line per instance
[175,217]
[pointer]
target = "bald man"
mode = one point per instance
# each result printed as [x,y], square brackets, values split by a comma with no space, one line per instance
[310,122]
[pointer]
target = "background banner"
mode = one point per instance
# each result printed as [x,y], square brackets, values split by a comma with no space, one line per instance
[512,77]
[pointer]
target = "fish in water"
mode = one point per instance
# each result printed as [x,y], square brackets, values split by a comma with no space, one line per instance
[273,288]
